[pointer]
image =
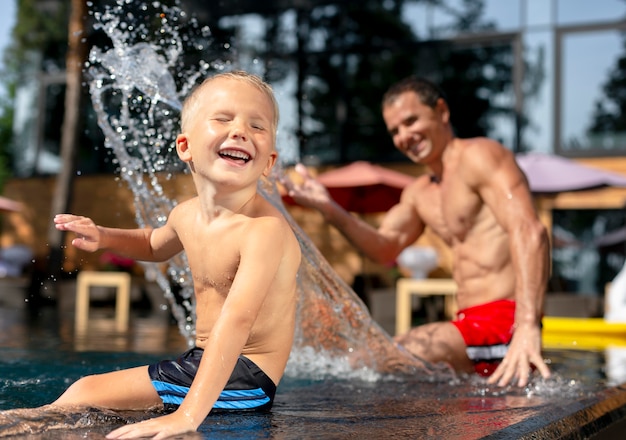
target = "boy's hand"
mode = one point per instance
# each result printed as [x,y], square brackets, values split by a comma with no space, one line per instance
[88,233]
[158,428]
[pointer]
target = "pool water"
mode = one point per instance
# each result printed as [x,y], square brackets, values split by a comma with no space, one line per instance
[40,357]
[463,408]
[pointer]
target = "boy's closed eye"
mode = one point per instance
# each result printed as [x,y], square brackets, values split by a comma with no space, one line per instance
[221,119]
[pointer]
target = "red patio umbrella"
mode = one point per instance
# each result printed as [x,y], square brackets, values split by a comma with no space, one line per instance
[364,187]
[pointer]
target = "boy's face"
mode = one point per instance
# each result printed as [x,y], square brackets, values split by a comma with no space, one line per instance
[229,134]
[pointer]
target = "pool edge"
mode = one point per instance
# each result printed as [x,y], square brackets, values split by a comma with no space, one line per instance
[601,416]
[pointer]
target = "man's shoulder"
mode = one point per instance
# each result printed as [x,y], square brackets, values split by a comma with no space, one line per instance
[479,143]
[481,151]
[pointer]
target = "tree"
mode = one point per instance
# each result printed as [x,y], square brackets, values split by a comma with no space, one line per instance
[610,111]
[75,59]
[350,52]
[38,28]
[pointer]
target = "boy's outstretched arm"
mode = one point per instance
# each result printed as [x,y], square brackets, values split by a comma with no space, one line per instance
[144,244]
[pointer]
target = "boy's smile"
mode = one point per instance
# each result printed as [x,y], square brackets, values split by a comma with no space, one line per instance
[235,154]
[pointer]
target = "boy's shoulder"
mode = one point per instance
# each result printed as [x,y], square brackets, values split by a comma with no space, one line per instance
[269,220]
[184,207]
[269,223]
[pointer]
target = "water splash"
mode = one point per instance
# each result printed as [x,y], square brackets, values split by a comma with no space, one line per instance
[137,103]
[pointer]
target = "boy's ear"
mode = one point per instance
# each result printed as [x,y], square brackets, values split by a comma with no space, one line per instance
[271,160]
[182,148]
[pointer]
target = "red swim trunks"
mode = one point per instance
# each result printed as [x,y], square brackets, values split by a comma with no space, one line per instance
[487,330]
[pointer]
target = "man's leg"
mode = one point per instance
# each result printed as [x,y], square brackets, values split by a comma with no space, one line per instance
[437,342]
[129,389]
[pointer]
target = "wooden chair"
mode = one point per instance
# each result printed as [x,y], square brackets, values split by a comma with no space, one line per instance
[87,279]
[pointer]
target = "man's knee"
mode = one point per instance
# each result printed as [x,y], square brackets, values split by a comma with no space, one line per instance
[436,342]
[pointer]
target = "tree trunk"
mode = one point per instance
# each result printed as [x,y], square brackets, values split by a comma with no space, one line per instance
[76,56]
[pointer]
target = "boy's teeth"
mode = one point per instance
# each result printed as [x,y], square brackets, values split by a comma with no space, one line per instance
[236,155]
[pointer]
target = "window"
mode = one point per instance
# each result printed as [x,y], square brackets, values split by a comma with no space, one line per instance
[590,99]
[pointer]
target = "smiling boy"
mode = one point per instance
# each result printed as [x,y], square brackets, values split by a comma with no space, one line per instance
[243,258]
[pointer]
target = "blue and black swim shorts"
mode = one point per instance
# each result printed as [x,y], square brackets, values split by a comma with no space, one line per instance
[248,389]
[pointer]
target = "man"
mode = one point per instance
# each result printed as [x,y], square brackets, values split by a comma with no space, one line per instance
[476,198]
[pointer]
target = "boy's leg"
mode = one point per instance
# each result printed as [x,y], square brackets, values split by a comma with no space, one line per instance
[129,389]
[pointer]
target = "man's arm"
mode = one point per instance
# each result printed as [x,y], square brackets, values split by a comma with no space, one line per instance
[400,227]
[503,187]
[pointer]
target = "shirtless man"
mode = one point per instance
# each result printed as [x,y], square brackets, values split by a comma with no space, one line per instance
[476,198]
[243,256]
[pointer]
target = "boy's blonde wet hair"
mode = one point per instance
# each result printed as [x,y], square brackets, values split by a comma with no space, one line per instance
[238,75]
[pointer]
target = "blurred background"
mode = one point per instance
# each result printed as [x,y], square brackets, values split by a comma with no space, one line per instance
[540,76]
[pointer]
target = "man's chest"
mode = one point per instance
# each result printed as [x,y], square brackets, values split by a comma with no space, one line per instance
[450,210]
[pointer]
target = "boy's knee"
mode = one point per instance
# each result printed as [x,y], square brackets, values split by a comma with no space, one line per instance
[75,392]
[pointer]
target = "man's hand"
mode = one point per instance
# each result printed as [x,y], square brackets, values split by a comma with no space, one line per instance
[158,428]
[309,192]
[88,234]
[524,351]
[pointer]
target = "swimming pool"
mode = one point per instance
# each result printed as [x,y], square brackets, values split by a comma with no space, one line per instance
[577,403]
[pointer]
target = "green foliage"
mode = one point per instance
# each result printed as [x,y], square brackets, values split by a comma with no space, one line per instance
[349,54]
[365,47]
[37,28]
[41,27]
[6,125]
[610,111]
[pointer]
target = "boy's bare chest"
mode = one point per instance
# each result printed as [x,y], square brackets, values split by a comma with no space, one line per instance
[213,255]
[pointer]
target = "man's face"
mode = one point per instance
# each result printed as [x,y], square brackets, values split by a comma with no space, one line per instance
[230,134]
[415,128]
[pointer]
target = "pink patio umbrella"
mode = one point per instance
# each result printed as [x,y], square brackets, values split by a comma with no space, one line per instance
[548,173]
[554,174]
[364,187]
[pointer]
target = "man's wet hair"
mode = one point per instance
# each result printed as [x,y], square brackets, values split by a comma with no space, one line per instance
[427,91]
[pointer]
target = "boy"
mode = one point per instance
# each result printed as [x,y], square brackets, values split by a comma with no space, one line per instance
[243,258]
